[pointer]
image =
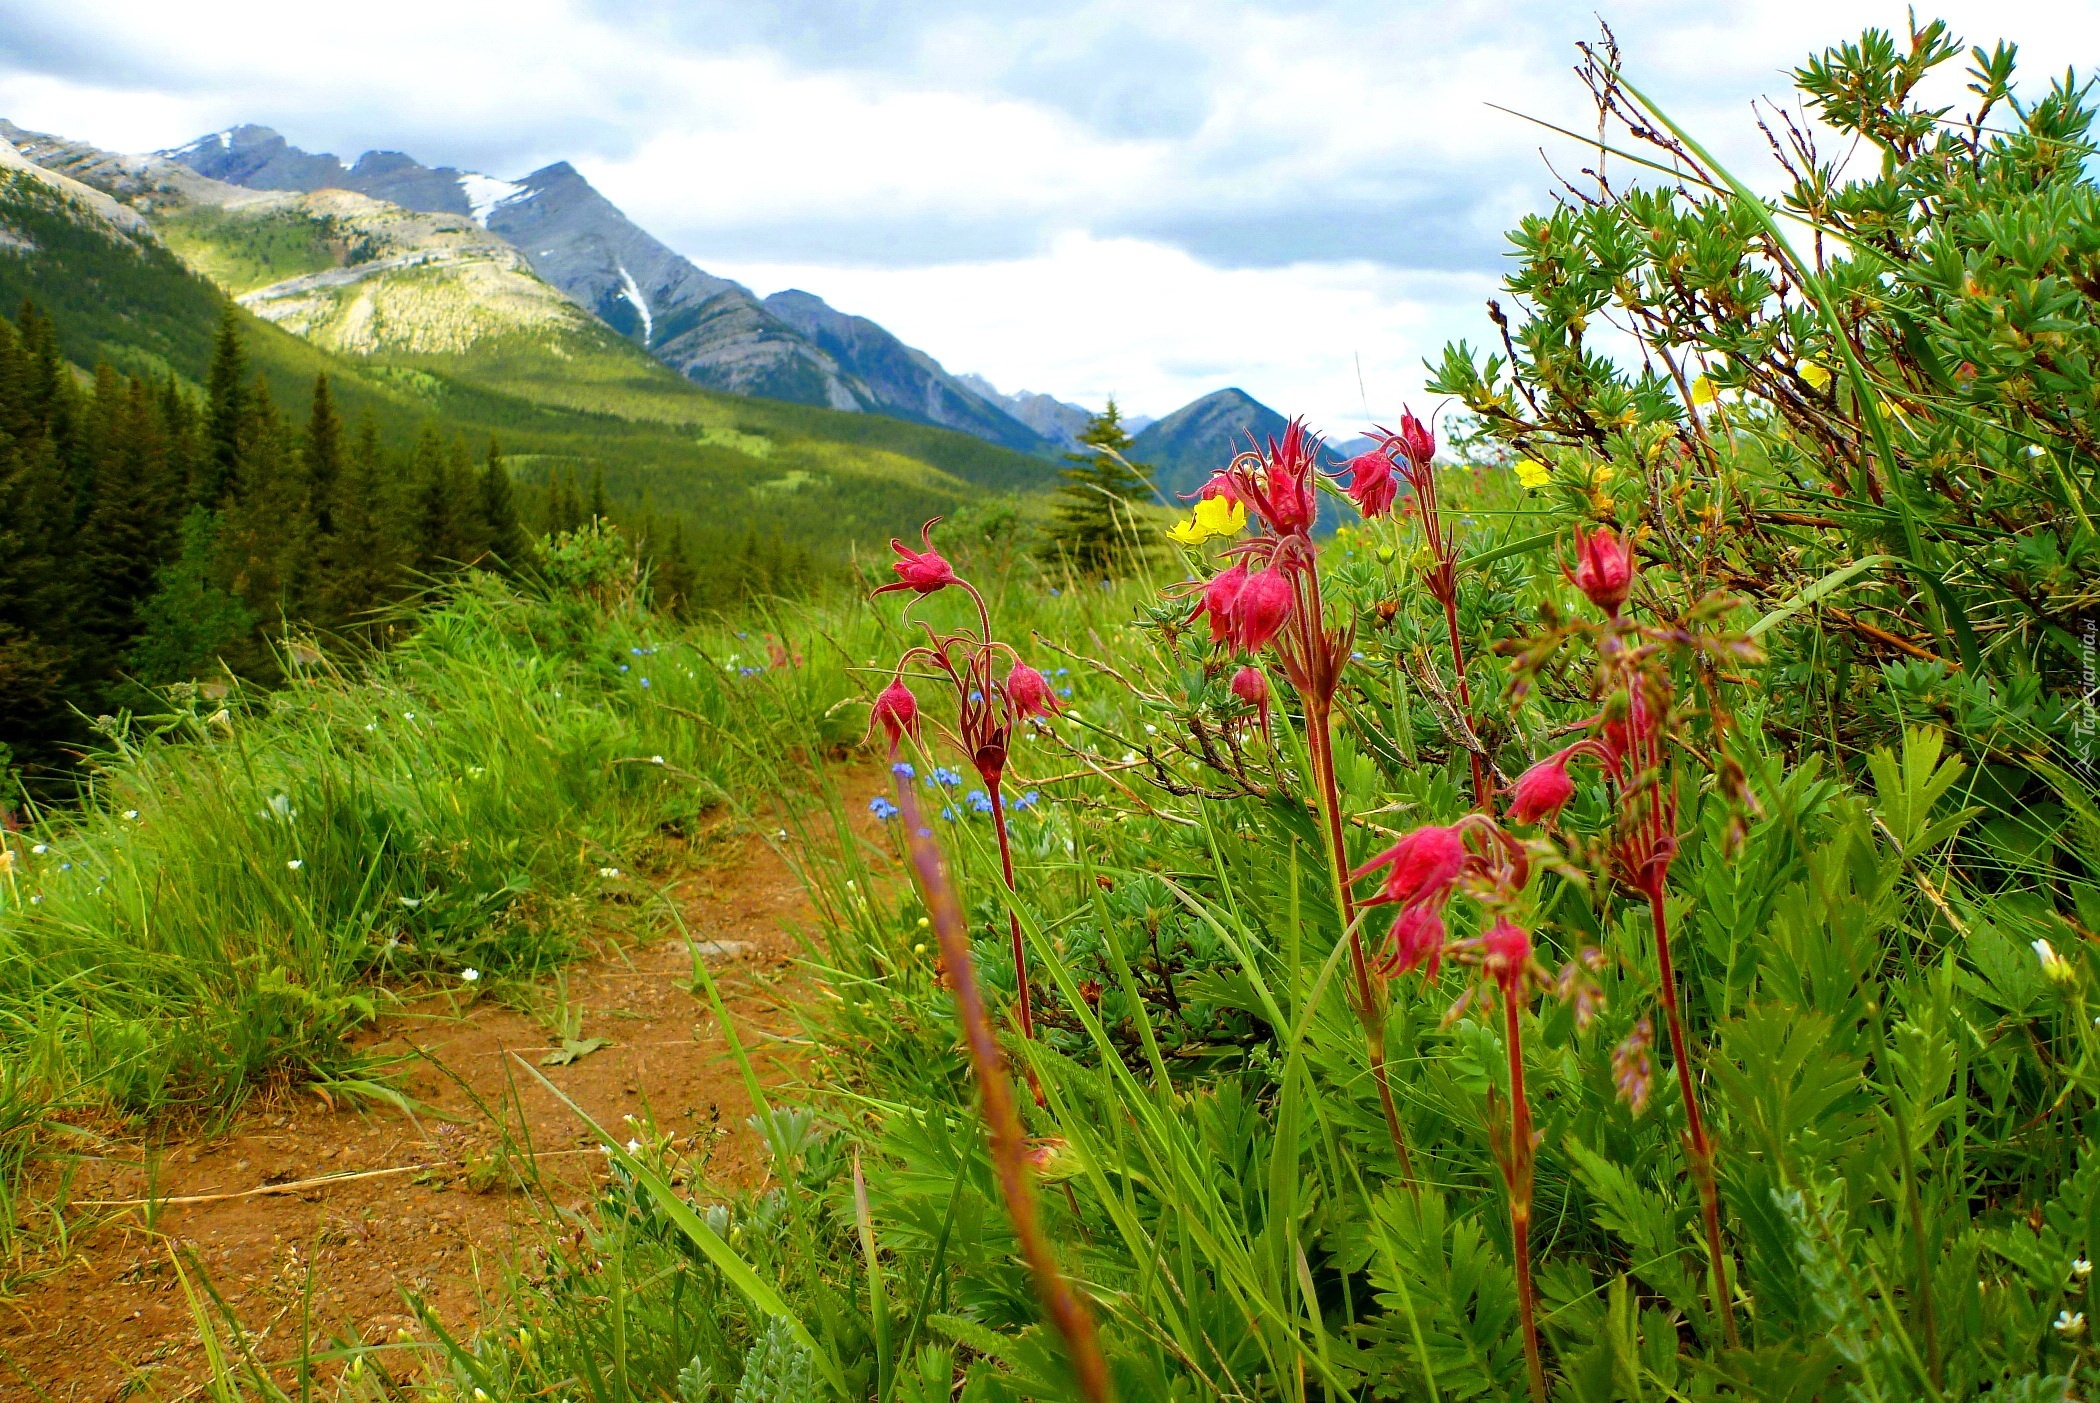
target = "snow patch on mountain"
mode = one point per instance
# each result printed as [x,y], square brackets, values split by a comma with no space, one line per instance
[639,303]
[484,193]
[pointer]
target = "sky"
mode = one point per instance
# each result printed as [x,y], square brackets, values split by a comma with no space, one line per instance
[1146,198]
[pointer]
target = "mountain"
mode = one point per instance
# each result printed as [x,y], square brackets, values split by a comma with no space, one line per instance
[1199,438]
[115,249]
[1053,419]
[713,331]
[904,381]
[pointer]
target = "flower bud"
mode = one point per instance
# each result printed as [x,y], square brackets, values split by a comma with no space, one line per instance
[1505,951]
[1542,790]
[1251,687]
[1263,606]
[1417,939]
[1603,568]
[1221,597]
[1028,692]
[898,711]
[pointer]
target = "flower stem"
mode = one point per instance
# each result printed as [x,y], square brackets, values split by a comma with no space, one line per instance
[1700,1149]
[1369,1000]
[1483,794]
[1013,918]
[1517,1176]
[1068,1314]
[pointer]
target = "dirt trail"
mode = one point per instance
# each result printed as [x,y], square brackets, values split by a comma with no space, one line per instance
[113,1322]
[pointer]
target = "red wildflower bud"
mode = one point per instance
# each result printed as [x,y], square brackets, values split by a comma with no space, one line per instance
[1633,726]
[1028,692]
[1264,604]
[1416,442]
[1220,598]
[1422,867]
[898,711]
[1417,939]
[1505,951]
[1251,687]
[1222,485]
[1371,484]
[922,571]
[1542,790]
[1603,568]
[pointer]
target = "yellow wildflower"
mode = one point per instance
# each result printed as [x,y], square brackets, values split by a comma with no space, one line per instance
[1702,391]
[1214,516]
[1533,474]
[1818,376]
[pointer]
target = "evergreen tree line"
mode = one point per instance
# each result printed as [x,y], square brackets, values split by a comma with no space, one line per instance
[150,534]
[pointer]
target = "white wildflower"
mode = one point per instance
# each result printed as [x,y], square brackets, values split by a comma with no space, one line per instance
[609,873]
[2070,1322]
[296,863]
[2055,966]
[470,976]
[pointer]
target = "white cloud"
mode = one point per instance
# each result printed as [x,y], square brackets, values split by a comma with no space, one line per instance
[1152,197]
[1156,328]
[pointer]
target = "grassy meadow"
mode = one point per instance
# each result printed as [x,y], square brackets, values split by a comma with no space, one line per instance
[1717,726]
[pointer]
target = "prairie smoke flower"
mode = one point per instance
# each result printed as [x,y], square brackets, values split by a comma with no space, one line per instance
[1293,499]
[1542,790]
[1372,485]
[1220,598]
[1417,940]
[1505,951]
[1262,608]
[898,711]
[921,571]
[1415,442]
[1028,692]
[1603,568]
[1422,867]
[1221,487]
[1632,728]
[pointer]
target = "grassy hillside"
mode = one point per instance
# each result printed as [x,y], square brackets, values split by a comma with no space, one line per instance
[587,400]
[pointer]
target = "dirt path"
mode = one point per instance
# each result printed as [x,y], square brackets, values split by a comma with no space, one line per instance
[434,1214]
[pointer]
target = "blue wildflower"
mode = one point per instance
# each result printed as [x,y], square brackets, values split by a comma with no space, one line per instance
[902,769]
[882,808]
[645,681]
[975,695]
[980,801]
[1028,800]
[948,814]
[1061,672]
[623,667]
[749,671]
[944,777]
[1064,691]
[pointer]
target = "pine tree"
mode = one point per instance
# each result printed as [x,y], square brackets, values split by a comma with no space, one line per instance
[1095,526]
[265,539]
[191,625]
[507,541]
[671,576]
[445,533]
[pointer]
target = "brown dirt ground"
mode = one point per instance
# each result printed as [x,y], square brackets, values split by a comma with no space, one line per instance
[111,1320]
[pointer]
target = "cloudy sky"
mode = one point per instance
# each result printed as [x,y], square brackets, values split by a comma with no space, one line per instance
[1140,197]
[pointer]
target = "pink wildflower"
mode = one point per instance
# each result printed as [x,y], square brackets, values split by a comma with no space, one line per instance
[1603,568]
[1542,790]
[1028,692]
[898,711]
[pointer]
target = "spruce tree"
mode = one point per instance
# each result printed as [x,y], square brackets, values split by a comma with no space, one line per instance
[227,414]
[507,540]
[363,561]
[324,455]
[601,510]
[1095,526]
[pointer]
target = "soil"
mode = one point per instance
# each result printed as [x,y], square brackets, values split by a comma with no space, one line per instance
[426,1203]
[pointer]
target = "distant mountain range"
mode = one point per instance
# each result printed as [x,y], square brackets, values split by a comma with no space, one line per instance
[1196,440]
[432,257]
